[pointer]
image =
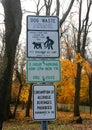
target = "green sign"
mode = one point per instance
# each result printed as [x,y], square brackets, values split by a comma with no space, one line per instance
[43,71]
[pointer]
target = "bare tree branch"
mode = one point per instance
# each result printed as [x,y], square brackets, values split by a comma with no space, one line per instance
[66,13]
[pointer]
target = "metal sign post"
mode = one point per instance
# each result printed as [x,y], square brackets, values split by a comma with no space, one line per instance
[43,42]
[44,125]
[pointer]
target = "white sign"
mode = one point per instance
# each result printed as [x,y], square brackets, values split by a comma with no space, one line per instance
[44,100]
[43,71]
[43,37]
[42,23]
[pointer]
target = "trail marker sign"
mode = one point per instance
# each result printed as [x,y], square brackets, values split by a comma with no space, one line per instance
[43,37]
[44,102]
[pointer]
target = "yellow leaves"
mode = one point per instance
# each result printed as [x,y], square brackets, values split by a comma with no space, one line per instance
[24,93]
[84,91]
[87,67]
[66,88]
[66,93]
[78,58]
[68,69]
[85,64]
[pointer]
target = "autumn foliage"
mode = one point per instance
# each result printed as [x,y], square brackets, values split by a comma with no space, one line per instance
[66,88]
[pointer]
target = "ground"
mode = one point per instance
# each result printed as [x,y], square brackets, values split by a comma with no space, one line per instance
[64,121]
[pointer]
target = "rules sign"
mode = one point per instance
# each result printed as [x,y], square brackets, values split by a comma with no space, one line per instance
[44,100]
[43,37]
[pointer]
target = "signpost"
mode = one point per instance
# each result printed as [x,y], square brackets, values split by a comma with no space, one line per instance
[43,42]
[44,100]
[43,37]
[43,71]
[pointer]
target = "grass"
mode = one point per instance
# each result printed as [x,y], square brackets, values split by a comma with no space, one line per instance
[34,126]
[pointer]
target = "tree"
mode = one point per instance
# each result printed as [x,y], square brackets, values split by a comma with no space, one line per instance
[81,45]
[66,13]
[13,16]
[89,74]
[19,72]
[66,89]
[18,75]
[29,103]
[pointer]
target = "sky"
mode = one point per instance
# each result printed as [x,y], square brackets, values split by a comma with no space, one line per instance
[1,13]
[30,5]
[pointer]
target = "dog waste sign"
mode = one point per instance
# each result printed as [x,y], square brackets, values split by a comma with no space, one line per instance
[44,102]
[43,37]
[43,71]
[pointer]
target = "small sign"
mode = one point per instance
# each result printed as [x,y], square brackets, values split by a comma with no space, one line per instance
[43,71]
[44,102]
[43,37]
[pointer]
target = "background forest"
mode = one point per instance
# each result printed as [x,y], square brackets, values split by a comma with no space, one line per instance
[75,54]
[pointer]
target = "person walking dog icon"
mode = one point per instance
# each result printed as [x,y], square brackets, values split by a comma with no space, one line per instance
[49,43]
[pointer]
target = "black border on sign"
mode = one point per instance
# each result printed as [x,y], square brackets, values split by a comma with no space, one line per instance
[46,119]
[43,30]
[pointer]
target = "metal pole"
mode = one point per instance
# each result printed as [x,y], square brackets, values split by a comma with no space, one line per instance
[44,125]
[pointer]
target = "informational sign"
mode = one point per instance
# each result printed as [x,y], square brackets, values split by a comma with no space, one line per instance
[44,102]
[43,71]
[43,37]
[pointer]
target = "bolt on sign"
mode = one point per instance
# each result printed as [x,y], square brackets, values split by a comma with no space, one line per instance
[43,71]
[44,100]
[43,37]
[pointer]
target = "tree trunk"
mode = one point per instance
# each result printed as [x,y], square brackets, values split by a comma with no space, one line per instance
[57,7]
[77,91]
[78,74]
[13,16]
[20,87]
[29,102]
[17,102]
[83,29]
